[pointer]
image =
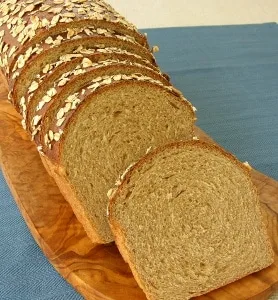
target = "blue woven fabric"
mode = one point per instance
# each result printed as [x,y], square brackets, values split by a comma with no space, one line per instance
[230,73]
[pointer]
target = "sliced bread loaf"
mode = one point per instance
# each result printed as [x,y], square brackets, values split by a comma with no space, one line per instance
[57,75]
[104,130]
[53,103]
[187,219]
[55,40]
[35,64]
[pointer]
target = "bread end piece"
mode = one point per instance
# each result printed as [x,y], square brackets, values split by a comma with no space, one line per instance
[187,219]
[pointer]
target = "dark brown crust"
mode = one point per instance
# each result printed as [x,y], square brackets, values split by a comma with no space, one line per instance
[61,29]
[63,34]
[117,27]
[118,231]
[70,46]
[45,47]
[110,19]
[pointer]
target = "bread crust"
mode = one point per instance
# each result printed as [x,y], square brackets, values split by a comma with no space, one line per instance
[118,231]
[97,13]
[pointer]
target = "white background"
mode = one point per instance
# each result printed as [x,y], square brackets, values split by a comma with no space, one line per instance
[169,13]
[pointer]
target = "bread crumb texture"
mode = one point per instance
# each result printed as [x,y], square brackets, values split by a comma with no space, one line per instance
[187,219]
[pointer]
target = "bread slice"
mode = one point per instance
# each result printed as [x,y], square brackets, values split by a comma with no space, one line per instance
[25,25]
[57,75]
[35,64]
[187,219]
[103,133]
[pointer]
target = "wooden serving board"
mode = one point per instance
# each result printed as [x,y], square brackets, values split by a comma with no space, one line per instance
[98,271]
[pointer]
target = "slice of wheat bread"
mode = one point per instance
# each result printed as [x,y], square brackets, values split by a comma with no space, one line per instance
[23,25]
[34,65]
[53,77]
[62,110]
[79,80]
[187,219]
[114,125]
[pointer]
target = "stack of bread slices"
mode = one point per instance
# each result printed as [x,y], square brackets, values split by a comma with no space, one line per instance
[95,102]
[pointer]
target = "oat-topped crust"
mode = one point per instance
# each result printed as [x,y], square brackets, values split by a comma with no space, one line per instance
[54,41]
[68,67]
[51,55]
[25,22]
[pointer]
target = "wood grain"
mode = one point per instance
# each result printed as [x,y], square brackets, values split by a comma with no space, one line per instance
[99,272]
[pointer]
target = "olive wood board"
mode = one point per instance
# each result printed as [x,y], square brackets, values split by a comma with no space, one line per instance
[98,271]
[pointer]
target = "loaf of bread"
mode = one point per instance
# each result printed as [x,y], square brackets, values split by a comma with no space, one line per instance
[187,219]
[90,94]
[94,101]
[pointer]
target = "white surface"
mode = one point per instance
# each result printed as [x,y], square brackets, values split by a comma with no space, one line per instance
[171,13]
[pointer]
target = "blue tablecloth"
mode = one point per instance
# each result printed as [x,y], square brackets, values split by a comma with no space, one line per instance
[230,73]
